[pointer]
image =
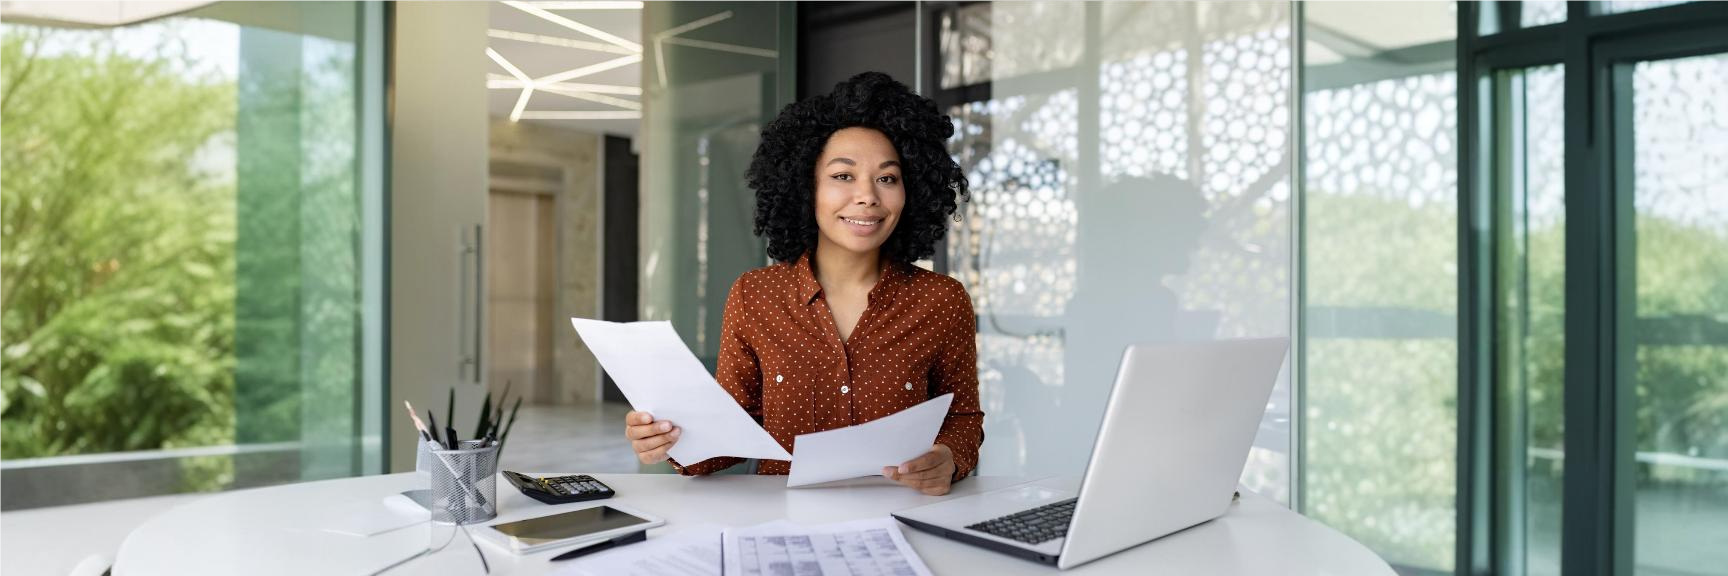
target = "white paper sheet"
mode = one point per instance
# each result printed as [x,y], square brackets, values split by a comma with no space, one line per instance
[864,449]
[873,547]
[693,551]
[661,377]
[370,518]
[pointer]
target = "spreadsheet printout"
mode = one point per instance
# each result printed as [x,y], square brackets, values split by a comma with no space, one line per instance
[860,548]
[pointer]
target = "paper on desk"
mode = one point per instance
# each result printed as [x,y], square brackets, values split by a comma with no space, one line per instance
[658,375]
[693,551]
[858,548]
[366,519]
[864,449]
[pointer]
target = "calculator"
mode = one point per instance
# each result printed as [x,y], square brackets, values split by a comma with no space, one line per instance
[560,489]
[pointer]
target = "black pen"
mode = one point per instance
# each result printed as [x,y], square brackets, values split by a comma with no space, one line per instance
[434,428]
[630,538]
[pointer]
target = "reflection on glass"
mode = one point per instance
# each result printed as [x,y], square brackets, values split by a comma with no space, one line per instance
[1168,220]
[1618,6]
[1530,305]
[1680,336]
[1541,12]
[182,213]
[703,110]
[1380,283]
[1381,255]
[972,54]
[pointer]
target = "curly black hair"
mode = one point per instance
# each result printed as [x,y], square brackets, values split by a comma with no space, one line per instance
[783,170]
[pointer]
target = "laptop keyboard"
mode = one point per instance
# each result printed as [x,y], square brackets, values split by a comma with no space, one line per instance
[1035,526]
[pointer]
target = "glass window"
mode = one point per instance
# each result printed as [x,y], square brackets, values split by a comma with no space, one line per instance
[1380,229]
[970,55]
[1618,6]
[191,281]
[1541,12]
[1679,336]
[1530,304]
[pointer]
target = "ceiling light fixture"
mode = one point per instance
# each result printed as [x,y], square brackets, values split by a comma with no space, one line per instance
[527,83]
[497,81]
[592,97]
[723,47]
[574,25]
[558,41]
[581,115]
[587,5]
[589,70]
[693,24]
[659,40]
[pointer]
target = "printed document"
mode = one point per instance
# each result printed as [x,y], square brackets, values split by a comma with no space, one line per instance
[872,547]
[658,375]
[864,449]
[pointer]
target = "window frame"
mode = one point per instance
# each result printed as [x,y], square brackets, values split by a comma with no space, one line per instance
[1596,50]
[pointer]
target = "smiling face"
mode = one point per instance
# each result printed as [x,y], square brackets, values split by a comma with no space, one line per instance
[859,192]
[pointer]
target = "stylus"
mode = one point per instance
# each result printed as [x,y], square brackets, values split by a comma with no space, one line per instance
[607,545]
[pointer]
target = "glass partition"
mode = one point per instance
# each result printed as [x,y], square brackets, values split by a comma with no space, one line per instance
[710,81]
[1380,220]
[1130,170]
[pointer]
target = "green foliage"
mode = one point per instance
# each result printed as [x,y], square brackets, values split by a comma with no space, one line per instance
[118,271]
[1381,413]
[1682,389]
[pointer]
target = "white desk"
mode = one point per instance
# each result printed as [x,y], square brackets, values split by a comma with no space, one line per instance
[275,531]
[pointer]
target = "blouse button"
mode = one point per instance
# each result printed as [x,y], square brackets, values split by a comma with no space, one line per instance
[908,385]
[844,389]
[779,378]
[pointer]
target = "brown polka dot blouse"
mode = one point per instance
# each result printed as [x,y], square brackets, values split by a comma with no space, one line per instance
[782,359]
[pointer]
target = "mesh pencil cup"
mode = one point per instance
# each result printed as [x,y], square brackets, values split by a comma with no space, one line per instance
[464,483]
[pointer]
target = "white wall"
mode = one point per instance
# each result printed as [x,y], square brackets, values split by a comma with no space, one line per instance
[438,189]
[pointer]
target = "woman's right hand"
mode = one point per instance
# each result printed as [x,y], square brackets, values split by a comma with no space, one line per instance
[649,438]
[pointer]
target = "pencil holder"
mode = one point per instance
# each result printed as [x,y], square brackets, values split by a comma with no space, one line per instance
[465,491]
[423,457]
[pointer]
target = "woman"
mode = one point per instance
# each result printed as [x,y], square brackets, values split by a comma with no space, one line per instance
[851,188]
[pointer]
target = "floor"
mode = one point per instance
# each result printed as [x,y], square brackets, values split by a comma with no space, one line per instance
[577,439]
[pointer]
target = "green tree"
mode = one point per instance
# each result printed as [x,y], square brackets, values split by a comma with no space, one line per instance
[117,276]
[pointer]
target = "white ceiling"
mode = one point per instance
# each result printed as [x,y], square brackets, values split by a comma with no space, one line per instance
[1373,27]
[525,35]
[543,49]
[91,13]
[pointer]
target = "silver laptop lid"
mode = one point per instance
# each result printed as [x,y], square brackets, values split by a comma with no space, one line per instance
[1172,443]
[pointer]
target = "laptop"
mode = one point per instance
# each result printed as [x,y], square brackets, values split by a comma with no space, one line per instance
[1171,446]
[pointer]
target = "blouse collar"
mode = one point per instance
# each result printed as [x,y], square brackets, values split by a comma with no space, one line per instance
[890,274]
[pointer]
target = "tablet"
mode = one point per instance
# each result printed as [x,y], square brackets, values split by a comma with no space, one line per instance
[570,527]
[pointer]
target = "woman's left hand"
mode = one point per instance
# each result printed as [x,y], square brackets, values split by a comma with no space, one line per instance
[931,473]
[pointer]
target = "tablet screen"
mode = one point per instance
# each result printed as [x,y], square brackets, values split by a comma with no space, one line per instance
[573,524]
